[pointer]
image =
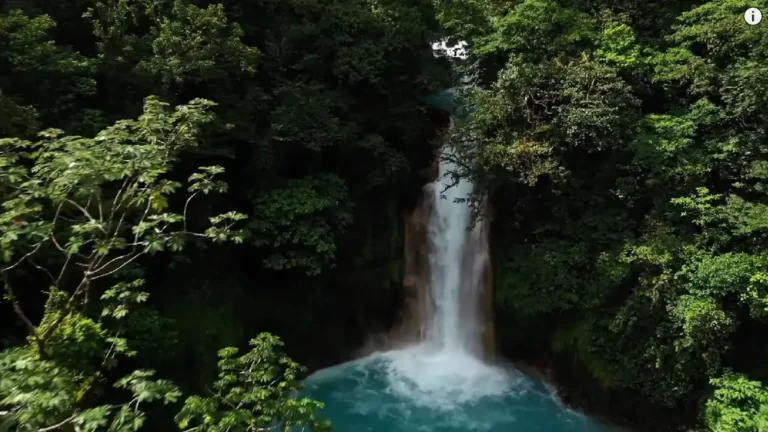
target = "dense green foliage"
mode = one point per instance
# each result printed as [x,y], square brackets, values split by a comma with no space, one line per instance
[132,233]
[252,393]
[623,146]
[90,208]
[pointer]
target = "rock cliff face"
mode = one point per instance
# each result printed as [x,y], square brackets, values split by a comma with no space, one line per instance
[416,274]
[477,261]
[414,297]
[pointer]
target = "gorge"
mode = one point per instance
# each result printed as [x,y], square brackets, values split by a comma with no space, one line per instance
[205,202]
[446,378]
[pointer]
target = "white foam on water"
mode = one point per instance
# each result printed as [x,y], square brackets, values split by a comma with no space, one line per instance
[446,379]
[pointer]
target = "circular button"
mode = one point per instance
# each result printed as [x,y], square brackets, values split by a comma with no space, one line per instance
[753,16]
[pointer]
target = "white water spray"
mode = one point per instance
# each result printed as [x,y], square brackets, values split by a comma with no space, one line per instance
[457,257]
[446,368]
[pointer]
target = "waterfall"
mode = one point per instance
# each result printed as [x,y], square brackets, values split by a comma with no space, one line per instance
[448,281]
[437,378]
[456,315]
[439,354]
[458,264]
[446,334]
[433,373]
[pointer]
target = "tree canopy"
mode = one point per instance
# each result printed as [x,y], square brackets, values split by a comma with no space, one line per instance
[622,144]
[142,139]
[178,177]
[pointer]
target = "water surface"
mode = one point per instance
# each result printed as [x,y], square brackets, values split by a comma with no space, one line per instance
[439,391]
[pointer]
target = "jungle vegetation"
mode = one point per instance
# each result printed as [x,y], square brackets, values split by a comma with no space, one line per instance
[195,193]
[623,147]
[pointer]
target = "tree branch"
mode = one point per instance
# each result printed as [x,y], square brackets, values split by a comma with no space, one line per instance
[101,209]
[117,196]
[143,218]
[121,266]
[56,242]
[63,269]
[102,267]
[37,247]
[20,313]
[125,195]
[58,425]
[44,270]
[186,204]
[85,212]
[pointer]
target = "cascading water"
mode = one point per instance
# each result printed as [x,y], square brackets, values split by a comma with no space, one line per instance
[452,321]
[445,365]
[440,381]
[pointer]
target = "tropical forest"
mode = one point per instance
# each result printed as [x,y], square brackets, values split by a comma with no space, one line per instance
[383,215]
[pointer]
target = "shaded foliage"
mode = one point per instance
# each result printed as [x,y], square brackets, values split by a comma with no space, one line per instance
[317,123]
[622,145]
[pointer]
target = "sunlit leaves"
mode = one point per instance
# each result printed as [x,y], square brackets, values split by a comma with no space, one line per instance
[679,66]
[40,393]
[536,113]
[665,146]
[705,326]
[719,26]
[526,159]
[738,404]
[221,228]
[70,172]
[464,18]
[127,420]
[203,181]
[146,389]
[92,420]
[756,295]
[745,89]
[617,46]
[120,297]
[253,391]
[100,203]
[36,393]
[600,108]
[537,28]
[721,275]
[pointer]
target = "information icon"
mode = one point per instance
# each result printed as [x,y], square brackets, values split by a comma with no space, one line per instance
[753,16]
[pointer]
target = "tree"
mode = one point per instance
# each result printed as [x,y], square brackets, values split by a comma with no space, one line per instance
[40,81]
[254,392]
[301,221]
[625,165]
[92,208]
[738,404]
